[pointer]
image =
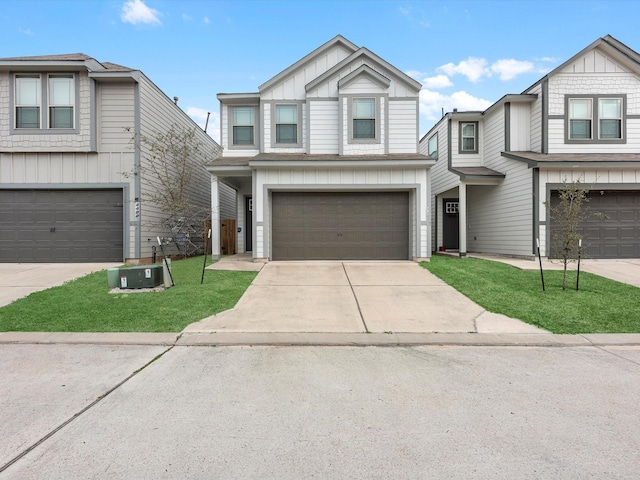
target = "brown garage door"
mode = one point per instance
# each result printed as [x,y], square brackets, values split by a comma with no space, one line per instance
[340,225]
[61,226]
[618,234]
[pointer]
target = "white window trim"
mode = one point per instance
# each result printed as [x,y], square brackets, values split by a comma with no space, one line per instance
[49,106]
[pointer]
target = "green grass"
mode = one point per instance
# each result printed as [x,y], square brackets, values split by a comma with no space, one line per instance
[600,306]
[85,304]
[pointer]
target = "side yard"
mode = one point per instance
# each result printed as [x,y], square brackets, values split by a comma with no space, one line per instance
[599,306]
[85,304]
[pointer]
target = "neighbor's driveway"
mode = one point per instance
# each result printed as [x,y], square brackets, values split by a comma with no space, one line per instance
[341,297]
[18,280]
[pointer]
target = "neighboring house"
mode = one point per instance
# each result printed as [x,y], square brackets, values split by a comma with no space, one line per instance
[70,160]
[497,169]
[324,160]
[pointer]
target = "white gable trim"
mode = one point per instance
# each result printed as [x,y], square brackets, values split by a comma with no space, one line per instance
[365,71]
[363,52]
[337,40]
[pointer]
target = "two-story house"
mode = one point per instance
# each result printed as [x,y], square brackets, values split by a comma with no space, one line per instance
[497,171]
[72,161]
[325,161]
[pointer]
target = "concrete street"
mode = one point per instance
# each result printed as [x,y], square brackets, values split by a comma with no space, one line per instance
[319,412]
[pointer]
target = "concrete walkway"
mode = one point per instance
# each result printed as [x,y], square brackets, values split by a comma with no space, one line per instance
[354,297]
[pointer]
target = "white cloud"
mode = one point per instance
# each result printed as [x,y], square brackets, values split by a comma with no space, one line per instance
[415,74]
[206,20]
[186,17]
[135,12]
[199,115]
[432,104]
[510,68]
[27,31]
[439,81]
[473,68]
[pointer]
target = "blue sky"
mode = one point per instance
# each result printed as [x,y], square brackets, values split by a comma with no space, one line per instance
[467,54]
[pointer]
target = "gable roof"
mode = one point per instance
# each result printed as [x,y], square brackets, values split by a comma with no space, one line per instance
[365,70]
[337,40]
[372,57]
[609,45]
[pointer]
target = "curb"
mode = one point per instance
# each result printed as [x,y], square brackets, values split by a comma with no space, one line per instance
[323,339]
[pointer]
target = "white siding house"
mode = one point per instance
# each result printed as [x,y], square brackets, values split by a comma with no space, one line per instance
[581,122]
[70,168]
[325,161]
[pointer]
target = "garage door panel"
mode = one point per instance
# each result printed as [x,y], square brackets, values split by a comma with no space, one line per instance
[340,225]
[615,231]
[61,225]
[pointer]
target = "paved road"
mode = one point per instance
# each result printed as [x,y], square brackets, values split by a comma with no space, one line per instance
[319,412]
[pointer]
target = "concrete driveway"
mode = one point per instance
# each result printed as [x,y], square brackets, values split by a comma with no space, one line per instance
[18,280]
[354,297]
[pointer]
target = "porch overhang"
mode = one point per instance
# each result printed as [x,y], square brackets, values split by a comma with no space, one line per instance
[575,160]
[478,175]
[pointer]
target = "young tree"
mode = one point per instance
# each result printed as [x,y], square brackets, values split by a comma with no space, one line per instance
[171,160]
[568,216]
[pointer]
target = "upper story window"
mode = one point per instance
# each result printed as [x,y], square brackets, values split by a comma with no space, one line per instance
[595,119]
[468,137]
[580,118]
[28,95]
[287,124]
[59,93]
[61,101]
[432,146]
[610,118]
[364,118]
[243,125]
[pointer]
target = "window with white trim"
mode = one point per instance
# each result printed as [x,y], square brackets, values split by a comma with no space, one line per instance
[364,118]
[287,124]
[243,125]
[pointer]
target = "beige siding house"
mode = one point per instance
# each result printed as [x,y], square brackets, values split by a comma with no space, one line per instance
[71,165]
[497,170]
[325,161]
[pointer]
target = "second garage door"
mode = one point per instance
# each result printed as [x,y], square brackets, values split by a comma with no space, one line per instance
[616,233]
[340,225]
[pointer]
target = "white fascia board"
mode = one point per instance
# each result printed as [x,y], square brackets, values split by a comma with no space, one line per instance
[341,164]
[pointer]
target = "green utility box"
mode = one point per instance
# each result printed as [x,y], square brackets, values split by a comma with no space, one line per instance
[144,276]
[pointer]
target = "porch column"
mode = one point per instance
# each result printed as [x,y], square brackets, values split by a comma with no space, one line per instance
[215,218]
[462,218]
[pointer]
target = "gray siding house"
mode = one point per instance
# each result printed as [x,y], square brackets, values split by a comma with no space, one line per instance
[324,157]
[71,165]
[497,170]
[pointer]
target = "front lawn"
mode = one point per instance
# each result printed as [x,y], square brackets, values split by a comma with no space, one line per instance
[85,304]
[600,306]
